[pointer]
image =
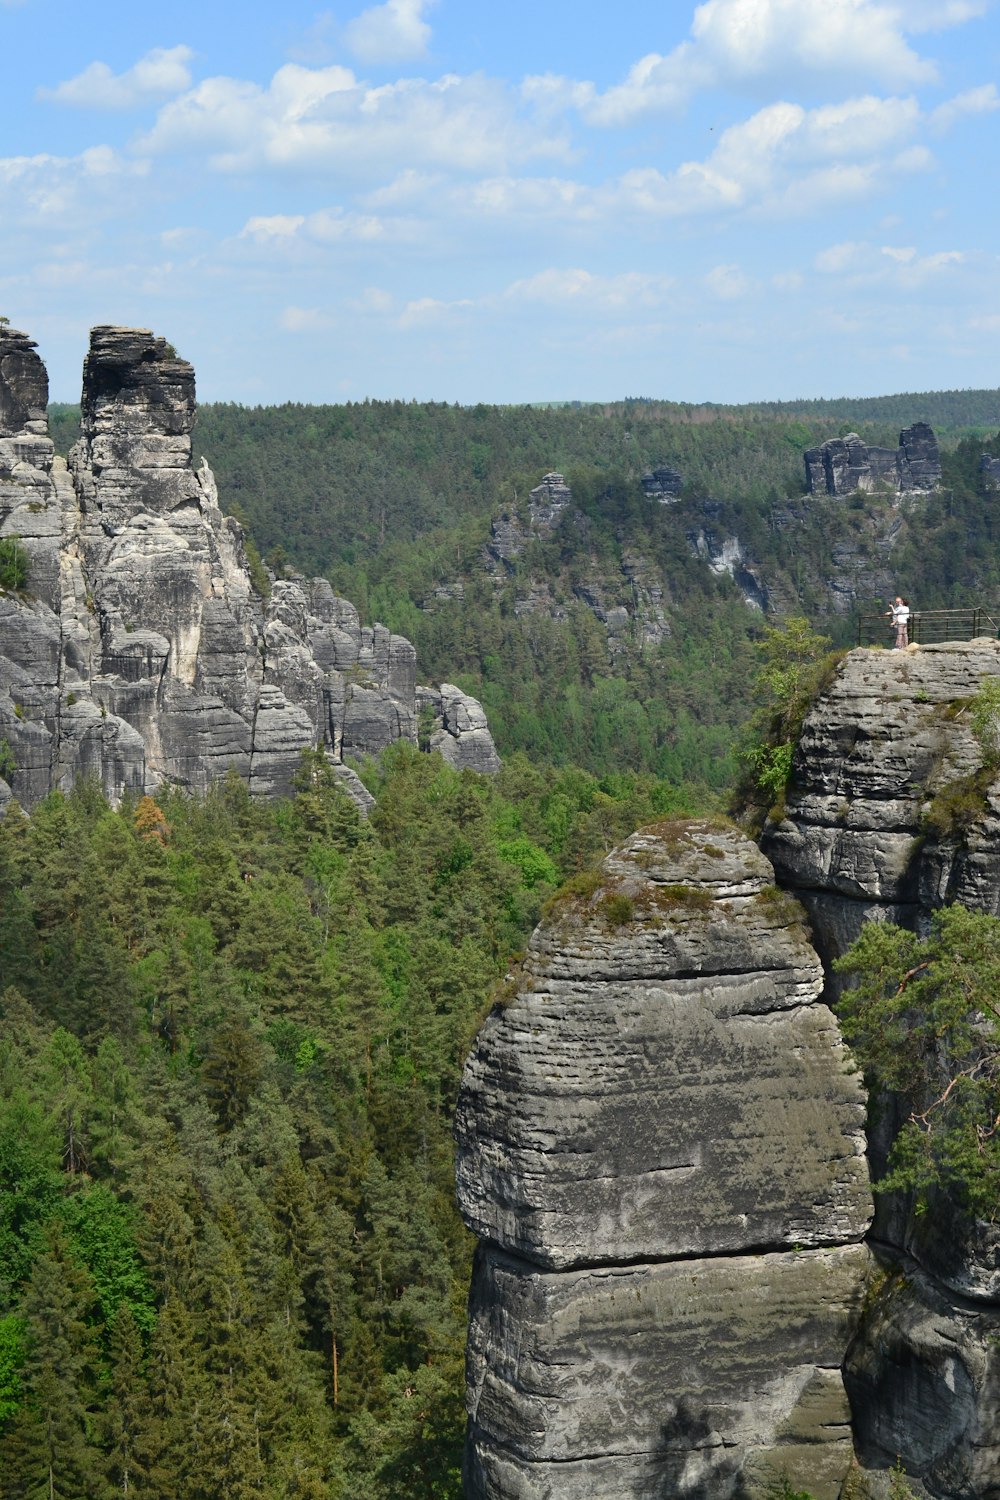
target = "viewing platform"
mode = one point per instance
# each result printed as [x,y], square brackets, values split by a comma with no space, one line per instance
[928,626]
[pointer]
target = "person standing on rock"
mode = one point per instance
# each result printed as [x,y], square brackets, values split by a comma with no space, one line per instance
[899,614]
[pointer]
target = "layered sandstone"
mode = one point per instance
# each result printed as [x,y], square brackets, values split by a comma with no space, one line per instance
[661,1148]
[892,813]
[843,465]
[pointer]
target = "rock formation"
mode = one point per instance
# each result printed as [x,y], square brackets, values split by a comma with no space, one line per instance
[725,555]
[661,1148]
[842,465]
[663,484]
[631,610]
[141,651]
[891,814]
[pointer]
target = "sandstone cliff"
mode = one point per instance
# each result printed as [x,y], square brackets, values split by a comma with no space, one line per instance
[892,813]
[661,1148]
[842,465]
[140,651]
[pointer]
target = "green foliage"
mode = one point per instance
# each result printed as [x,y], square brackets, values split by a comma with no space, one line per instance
[985,719]
[8,763]
[959,805]
[227,1074]
[794,664]
[924,1021]
[14,564]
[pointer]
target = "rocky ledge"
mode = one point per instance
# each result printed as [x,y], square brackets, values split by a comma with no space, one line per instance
[140,650]
[661,1148]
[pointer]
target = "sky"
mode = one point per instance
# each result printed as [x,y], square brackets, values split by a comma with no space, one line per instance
[460,200]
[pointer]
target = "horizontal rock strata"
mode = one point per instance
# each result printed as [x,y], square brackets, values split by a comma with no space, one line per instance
[661,1147]
[891,813]
[140,651]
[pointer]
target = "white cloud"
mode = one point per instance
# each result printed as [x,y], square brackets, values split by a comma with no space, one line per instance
[979,101]
[305,320]
[430,310]
[840,257]
[575,287]
[390,33]
[374,299]
[728,283]
[66,191]
[271,228]
[324,119]
[938,15]
[765,44]
[162,72]
[326,227]
[788,160]
[862,263]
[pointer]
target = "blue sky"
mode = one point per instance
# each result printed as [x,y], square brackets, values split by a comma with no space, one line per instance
[464,201]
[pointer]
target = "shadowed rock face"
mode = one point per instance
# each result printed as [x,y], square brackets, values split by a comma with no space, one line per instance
[842,465]
[661,1148]
[890,734]
[142,652]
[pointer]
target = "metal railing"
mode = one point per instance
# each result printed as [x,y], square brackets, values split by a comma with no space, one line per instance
[928,626]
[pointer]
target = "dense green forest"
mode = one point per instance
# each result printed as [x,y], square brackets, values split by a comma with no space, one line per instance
[230,1041]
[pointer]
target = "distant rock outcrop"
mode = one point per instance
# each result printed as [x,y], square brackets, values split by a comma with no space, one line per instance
[661,1148]
[663,484]
[142,652]
[842,465]
[631,610]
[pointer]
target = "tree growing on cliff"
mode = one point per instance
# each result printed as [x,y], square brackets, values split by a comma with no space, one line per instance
[794,663]
[14,562]
[924,1021]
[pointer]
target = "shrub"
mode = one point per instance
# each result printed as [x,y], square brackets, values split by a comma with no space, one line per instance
[14,563]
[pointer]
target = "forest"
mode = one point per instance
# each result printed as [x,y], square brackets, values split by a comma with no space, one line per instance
[230,1041]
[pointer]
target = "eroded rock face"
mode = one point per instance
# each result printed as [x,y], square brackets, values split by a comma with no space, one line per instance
[891,732]
[661,1148]
[143,653]
[842,465]
[889,743]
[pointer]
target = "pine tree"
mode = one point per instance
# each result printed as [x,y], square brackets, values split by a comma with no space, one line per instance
[51,1453]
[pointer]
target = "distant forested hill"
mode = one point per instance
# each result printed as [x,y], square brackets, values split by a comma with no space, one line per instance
[394,502]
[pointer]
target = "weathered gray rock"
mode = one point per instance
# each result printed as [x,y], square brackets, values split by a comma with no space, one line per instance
[725,555]
[891,733]
[459,729]
[923,1376]
[663,484]
[663,1087]
[143,652]
[695,1377]
[841,466]
[918,462]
